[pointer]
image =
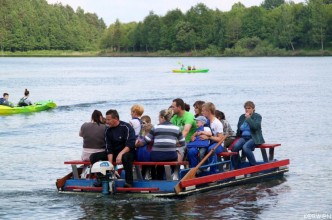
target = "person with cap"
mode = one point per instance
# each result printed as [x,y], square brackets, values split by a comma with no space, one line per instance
[198,147]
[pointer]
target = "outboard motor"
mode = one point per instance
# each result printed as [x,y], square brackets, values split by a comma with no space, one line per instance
[105,173]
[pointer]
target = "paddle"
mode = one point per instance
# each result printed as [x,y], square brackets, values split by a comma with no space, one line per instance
[192,172]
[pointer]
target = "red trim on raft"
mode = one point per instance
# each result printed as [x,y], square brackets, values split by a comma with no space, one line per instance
[85,188]
[234,173]
[137,189]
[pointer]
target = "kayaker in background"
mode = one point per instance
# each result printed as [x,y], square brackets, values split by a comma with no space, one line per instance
[25,101]
[182,67]
[194,68]
[4,100]
[93,134]
[249,131]
[189,68]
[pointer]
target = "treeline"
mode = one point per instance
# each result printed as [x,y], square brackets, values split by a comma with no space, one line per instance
[275,27]
[36,25]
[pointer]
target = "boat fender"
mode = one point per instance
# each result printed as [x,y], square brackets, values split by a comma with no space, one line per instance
[102,167]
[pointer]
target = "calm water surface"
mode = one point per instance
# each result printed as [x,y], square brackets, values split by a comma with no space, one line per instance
[292,94]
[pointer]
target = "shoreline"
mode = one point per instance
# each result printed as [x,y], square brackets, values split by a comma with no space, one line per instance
[50,53]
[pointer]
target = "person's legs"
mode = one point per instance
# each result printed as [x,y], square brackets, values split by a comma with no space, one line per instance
[248,149]
[213,157]
[202,152]
[127,160]
[160,172]
[153,172]
[235,159]
[95,157]
[193,156]
[162,156]
[181,153]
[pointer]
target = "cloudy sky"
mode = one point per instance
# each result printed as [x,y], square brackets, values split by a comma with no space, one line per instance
[137,10]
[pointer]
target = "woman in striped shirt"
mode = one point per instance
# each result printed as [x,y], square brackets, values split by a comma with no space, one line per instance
[166,138]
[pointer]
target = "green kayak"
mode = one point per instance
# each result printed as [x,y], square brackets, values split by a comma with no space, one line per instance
[191,71]
[36,107]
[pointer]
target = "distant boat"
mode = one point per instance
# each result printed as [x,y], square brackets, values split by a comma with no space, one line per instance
[191,71]
[36,107]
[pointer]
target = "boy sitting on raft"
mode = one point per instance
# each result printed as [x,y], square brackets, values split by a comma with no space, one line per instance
[197,147]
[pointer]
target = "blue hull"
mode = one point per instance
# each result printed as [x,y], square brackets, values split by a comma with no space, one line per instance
[205,181]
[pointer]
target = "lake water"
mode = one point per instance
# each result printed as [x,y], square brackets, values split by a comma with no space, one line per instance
[293,95]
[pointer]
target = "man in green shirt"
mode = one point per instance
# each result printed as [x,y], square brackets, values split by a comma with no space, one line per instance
[185,120]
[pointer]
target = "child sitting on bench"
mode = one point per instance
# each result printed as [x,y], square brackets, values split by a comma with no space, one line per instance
[197,147]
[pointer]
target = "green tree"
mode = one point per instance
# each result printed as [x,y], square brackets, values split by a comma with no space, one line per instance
[151,32]
[185,37]
[272,4]
[168,29]
[318,21]
[252,22]
[233,25]
[201,19]
[117,35]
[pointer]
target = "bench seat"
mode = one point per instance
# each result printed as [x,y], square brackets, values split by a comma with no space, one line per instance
[227,154]
[137,165]
[271,147]
[77,162]
[262,147]
[268,145]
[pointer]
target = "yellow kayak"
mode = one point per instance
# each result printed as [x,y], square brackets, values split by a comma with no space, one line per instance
[36,107]
[191,71]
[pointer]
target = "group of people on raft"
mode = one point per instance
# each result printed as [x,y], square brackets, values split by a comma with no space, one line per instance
[24,101]
[180,135]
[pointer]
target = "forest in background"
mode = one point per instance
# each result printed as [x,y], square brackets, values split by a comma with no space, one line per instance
[274,28]
[27,25]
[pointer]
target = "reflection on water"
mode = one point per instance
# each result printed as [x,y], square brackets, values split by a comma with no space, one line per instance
[235,202]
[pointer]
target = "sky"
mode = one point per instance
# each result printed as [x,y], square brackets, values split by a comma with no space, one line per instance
[136,10]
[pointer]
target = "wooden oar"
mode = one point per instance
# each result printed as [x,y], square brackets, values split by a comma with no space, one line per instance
[192,172]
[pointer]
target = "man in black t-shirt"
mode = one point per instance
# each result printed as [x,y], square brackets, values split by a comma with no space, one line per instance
[120,145]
